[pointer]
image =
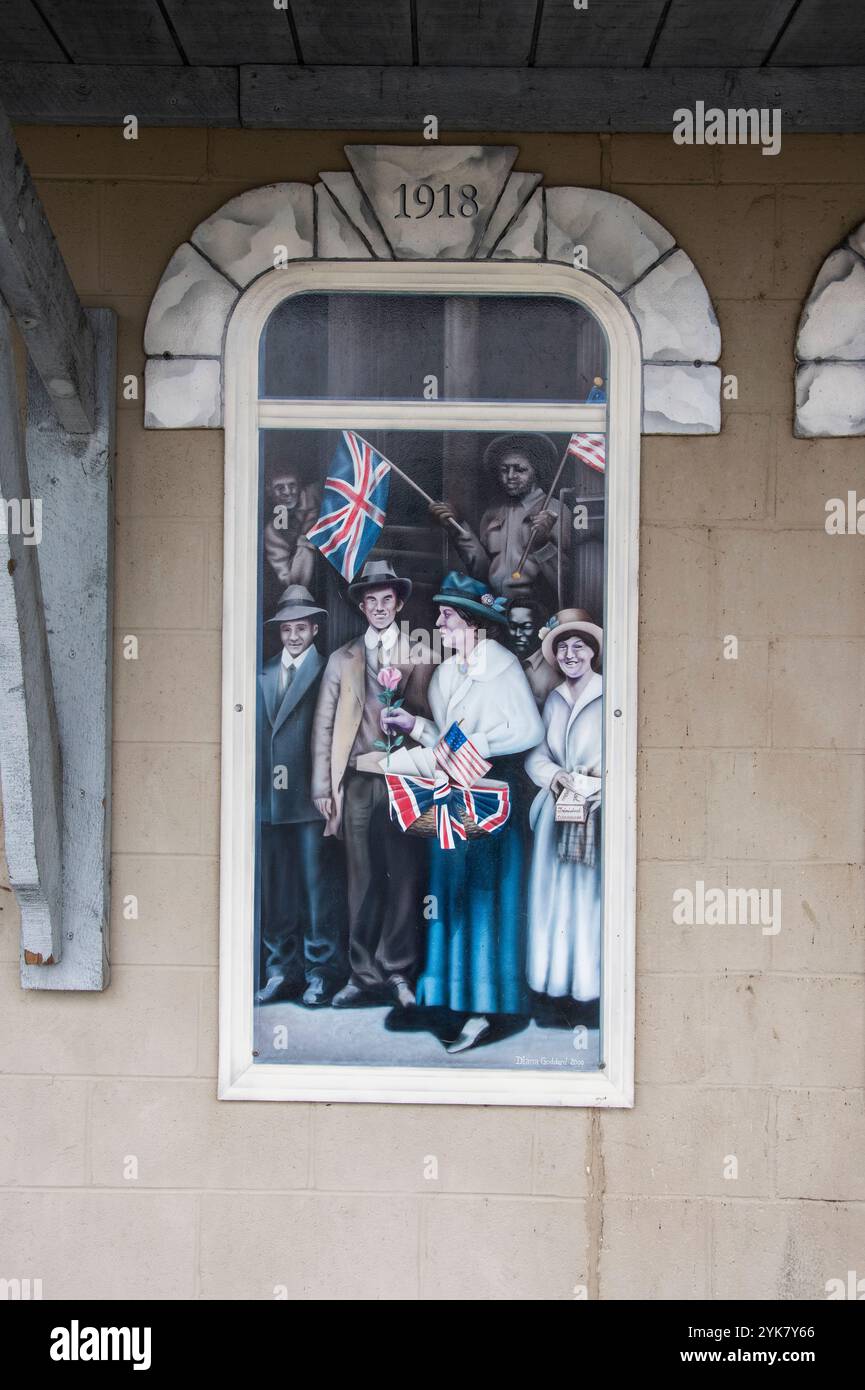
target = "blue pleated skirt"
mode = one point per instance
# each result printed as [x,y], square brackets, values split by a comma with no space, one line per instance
[476,943]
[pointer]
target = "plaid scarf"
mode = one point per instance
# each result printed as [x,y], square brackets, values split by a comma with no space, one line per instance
[578,842]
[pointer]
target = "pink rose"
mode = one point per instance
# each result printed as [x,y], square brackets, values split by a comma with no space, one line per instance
[390,677]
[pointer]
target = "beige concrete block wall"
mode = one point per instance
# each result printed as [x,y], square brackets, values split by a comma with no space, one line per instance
[120,1173]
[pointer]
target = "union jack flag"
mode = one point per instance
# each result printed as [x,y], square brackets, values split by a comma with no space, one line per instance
[353,506]
[411,797]
[457,756]
[591,448]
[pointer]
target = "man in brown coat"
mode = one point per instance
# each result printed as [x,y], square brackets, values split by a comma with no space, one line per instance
[385,867]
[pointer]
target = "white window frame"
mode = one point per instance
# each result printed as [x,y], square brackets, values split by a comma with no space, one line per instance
[240,1077]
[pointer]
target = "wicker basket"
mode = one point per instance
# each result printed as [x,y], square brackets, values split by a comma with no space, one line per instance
[426,825]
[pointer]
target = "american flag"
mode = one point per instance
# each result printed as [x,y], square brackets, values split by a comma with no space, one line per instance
[591,448]
[457,756]
[353,506]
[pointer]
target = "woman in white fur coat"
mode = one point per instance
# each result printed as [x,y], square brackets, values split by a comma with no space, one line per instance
[475,949]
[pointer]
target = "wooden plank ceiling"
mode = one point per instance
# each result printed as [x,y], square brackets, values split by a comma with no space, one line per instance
[477,33]
[477,64]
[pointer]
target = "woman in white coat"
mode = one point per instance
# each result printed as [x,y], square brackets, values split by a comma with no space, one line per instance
[564,945]
[475,954]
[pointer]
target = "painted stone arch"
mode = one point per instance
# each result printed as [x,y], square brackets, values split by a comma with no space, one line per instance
[350,216]
[830,346]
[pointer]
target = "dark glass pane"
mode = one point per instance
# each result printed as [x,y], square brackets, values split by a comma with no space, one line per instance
[453,466]
[391,346]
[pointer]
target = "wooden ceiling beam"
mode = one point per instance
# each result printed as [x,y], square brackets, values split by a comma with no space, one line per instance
[397,98]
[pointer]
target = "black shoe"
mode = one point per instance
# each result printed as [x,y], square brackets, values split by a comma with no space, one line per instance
[316,994]
[588,1013]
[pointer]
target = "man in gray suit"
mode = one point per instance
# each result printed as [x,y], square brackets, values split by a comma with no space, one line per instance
[385,869]
[300,916]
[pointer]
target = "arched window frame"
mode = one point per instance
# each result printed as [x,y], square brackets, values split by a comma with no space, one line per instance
[239,1076]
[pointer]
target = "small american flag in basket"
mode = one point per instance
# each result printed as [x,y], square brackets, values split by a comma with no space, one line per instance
[457,756]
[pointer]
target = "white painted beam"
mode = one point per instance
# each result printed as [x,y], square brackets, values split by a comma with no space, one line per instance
[29,742]
[74,476]
[37,289]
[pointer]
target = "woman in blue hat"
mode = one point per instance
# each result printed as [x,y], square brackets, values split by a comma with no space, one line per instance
[475,955]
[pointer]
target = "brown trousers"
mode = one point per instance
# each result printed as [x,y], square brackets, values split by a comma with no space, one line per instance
[386,883]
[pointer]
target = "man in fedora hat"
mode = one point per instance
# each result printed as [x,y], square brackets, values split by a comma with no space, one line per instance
[523,467]
[384,867]
[300,919]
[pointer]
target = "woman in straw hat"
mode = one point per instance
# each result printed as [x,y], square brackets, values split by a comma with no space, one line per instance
[564,946]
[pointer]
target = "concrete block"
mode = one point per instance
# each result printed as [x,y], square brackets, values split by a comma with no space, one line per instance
[160,574]
[691,696]
[788,583]
[811,221]
[654,1249]
[784,1250]
[821,1139]
[502,1249]
[729,232]
[101,1245]
[677,588]
[132,263]
[145,1024]
[168,475]
[310,1246]
[430,1149]
[824,919]
[666,946]
[171,691]
[758,337]
[783,1031]
[656,159]
[101,152]
[828,715]
[779,805]
[809,472]
[42,1142]
[561,1154]
[670,1029]
[672,797]
[679,1141]
[182,1137]
[176,899]
[158,792]
[73,212]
